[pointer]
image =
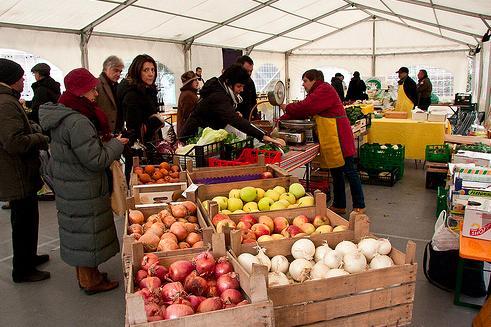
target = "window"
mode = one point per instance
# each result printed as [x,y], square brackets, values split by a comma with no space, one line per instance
[441,79]
[329,73]
[27,61]
[265,77]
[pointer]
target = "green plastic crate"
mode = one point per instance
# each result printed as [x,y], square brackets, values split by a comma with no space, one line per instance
[438,153]
[374,157]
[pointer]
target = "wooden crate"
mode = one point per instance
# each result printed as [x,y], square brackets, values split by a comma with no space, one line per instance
[258,313]
[395,114]
[381,297]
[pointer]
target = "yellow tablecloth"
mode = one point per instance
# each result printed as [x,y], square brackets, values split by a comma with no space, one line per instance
[415,135]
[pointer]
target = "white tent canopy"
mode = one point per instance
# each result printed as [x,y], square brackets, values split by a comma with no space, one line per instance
[371,36]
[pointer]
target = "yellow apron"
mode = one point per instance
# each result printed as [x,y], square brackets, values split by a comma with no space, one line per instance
[330,147]
[403,103]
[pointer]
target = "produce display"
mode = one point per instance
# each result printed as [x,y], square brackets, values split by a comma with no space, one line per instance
[161,174]
[254,199]
[170,229]
[310,263]
[354,113]
[204,137]
[266,228]
[186,287]
[480,147]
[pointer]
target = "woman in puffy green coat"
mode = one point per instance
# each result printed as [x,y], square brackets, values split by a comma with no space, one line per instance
[82,149]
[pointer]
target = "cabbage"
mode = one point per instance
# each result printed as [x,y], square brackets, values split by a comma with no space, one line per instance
[211,136]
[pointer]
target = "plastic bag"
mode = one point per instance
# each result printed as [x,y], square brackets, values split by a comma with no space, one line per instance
[444,238]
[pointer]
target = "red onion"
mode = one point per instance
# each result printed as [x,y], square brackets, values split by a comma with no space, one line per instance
[231,296]
[150,283]
[212,289]
[158,271]
[229,305]
[211,304]
[195,301]
[174,311]
[227,281]
[222,267]
[148,260]
[150,296]
[170,291]
[243,303]
[181,300]
[140,274]
[205,264]
[194,284]
[179,270]
[152,309]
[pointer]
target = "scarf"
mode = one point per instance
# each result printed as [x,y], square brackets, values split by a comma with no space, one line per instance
[236,98]
[89,110]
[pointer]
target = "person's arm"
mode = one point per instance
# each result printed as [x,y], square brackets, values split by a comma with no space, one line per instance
[133,114]
[316,102]
[230,117]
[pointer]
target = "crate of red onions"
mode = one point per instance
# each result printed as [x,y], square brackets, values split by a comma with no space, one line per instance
[205,289]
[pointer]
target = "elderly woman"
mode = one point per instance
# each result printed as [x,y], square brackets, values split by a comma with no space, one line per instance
[188,98]
[337,145]
[106,100]
[82,149]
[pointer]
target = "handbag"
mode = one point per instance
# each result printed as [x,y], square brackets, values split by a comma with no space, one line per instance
[119,189]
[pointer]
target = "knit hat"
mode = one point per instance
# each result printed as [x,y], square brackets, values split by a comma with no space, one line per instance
[188,77]
[42,68]
[80,81]
[10,71]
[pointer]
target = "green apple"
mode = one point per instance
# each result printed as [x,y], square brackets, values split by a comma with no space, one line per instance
[288,197]
[297,189]
[285,202]
[250,207]
[306,201]
[265,203]
[234,204]
[272,194]
[234,193]
[248,194]
[238,211]
[222,201]
[260,194]
[293,206]
[278,206]
[226,212]
[279,189]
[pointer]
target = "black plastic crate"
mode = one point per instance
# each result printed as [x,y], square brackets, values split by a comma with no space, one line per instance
[377,177]
[232,151]
[199,155]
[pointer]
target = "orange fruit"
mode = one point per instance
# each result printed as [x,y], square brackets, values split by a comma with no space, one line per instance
[145,178]
[164,165]
[138,170]
[157,175]
[149,169]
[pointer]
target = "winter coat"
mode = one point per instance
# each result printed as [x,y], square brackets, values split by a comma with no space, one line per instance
[186,104]
[249,99]
[356,90]
[19,150]
[424,88]
[324,101]
[78,165]
[337,84]
[410,89]
[45,90]
[137,106]
[106,100]
[216,110]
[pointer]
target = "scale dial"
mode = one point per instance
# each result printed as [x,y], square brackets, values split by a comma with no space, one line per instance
[279,92]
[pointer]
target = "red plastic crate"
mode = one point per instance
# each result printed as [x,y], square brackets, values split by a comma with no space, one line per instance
[247,157]
[214,162]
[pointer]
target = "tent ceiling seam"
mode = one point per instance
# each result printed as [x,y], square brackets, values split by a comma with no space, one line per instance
[108,15]
[393,12]
[485,23]
[436,17]
[300,16]
[445,8]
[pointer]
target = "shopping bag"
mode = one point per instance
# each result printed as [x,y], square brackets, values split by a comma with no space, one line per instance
[119,189]
[444,238]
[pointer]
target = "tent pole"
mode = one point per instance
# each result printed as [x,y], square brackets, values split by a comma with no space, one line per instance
[84,49]
[187,55]
[287,76]
[373,46]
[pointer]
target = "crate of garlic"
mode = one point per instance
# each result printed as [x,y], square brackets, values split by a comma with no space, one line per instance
[363,282]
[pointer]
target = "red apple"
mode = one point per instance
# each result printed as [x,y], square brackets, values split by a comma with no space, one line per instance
[266,174]
[280,223]
[265,238]
[247,234]
[260,230]
[226,222]
[266,220]
[293,230]
[248,218]
[320,220]
[300,220]
[307,228]
[218,217]
[244,225]
[248,240]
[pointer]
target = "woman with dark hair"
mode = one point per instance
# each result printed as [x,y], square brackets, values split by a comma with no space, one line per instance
[424,89]
[217,107]
[82,149]
[356,89]
[337,145]
[188,97]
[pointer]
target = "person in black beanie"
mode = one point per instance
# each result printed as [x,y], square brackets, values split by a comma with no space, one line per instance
[19,174]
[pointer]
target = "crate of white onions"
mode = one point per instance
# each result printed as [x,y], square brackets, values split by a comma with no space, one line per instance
[332,280]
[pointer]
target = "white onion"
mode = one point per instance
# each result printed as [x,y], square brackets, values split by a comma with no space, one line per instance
[368,247]
[299,269]
[384,246]
[303,249]
[263,258]
[279,263]
[345,247]
[336,273]
[277,279]
[381,261]
[332,260]
[321,251]
[354,262]
[319,271]
[246,260]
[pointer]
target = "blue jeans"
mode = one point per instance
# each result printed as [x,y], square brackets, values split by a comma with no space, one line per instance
[351,173]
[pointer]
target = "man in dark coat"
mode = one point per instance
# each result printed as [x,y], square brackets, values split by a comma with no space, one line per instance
[19,174]
[337,83]
[46,89]
[356,88]
[248,96]
[111,72]
[424,89]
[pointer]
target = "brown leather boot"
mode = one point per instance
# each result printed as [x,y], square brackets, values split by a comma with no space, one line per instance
[104,275]
[92,281]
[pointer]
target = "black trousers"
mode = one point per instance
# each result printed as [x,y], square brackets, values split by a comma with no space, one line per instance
[24,217]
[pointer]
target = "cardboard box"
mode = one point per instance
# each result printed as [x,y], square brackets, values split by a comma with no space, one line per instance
[477,219]
[437,117]
[419,115]
[468,157]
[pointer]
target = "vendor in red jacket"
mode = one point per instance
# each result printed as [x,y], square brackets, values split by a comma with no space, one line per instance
[337,145]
